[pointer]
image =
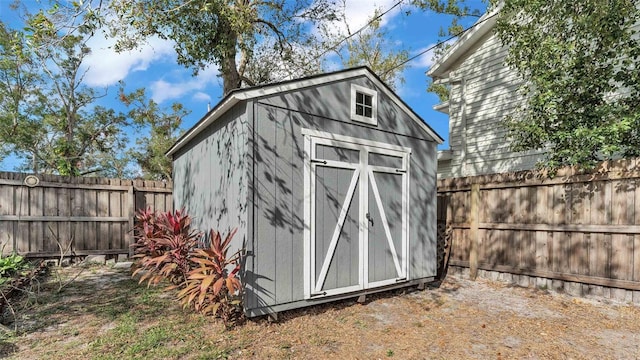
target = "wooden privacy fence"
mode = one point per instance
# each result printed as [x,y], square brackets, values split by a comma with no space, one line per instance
[74,215]
[578,228]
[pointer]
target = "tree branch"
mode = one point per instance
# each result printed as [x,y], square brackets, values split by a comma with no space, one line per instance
[279,34]
[247,80]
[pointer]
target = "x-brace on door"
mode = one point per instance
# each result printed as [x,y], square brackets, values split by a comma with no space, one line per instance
[356,214]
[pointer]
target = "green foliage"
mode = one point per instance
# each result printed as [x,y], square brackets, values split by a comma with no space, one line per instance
[390,353]
[441,90]
[458,8]
[20,94]
[167,248]
[48,117]
[581,83]
[228,34]
[18,277]
[455,10]
[12,265]
[163,125]
[372,47]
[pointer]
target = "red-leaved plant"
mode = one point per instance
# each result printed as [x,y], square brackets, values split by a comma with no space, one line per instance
[213,286]
[207,278]
[163,244]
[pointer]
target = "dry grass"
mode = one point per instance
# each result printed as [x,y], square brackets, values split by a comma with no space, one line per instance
[105,315]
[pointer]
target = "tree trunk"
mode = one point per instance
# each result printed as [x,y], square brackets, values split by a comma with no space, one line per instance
[230,76]
[35,163]
[231,79]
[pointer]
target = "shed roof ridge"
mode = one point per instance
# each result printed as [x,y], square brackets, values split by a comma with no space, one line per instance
[301,79]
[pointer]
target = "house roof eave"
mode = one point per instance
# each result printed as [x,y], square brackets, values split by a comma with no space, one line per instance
[442,66]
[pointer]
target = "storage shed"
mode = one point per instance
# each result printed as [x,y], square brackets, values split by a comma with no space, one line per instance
[330,181]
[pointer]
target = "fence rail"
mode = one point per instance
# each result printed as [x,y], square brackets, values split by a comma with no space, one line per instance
[74,215]
[575,227]
[581,228]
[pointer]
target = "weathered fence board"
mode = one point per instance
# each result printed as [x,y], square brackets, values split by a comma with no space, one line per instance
[573,227]
[74,216]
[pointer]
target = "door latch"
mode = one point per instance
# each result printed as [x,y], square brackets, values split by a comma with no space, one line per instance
[370,218]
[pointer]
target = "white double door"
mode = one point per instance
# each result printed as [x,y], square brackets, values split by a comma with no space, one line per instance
[356,214]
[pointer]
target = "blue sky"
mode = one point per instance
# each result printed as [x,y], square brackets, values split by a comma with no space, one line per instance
[154,67]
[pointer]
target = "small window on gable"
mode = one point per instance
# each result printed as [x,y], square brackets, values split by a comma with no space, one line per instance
[364,105]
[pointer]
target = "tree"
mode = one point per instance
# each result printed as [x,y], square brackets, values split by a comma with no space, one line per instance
[254,42]
[581,79]
[456,10]
[52,118]
[370,46]
[20,96]
[164,126]
[224,33]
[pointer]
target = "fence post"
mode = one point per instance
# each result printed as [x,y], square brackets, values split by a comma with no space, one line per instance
[473,231]
[132,215]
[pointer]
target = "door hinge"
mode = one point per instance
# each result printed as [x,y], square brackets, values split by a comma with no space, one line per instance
[319,161]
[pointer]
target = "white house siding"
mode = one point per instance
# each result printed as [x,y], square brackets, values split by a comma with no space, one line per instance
[483,91]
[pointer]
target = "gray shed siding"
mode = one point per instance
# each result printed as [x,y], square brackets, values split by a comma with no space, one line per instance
[210,176]
[276,275]
[332,102]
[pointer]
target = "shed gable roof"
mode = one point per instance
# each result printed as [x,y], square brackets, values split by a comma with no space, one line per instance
[239,95]
[459,49]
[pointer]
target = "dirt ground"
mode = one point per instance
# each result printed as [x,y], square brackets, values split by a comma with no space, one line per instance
[460,319]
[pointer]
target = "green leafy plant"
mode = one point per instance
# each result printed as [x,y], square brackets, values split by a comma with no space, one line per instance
[213,286]
[578,62]
[17,279]
[12,265]
[390,353]
[163,244]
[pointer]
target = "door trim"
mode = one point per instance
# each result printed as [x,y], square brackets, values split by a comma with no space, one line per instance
[363,172]
[385,225]
[355,178]
[353,140]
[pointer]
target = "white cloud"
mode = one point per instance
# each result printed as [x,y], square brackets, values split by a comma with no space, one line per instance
[200,96]
[426,60]
[359,12]
[162,90]
[106,67]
